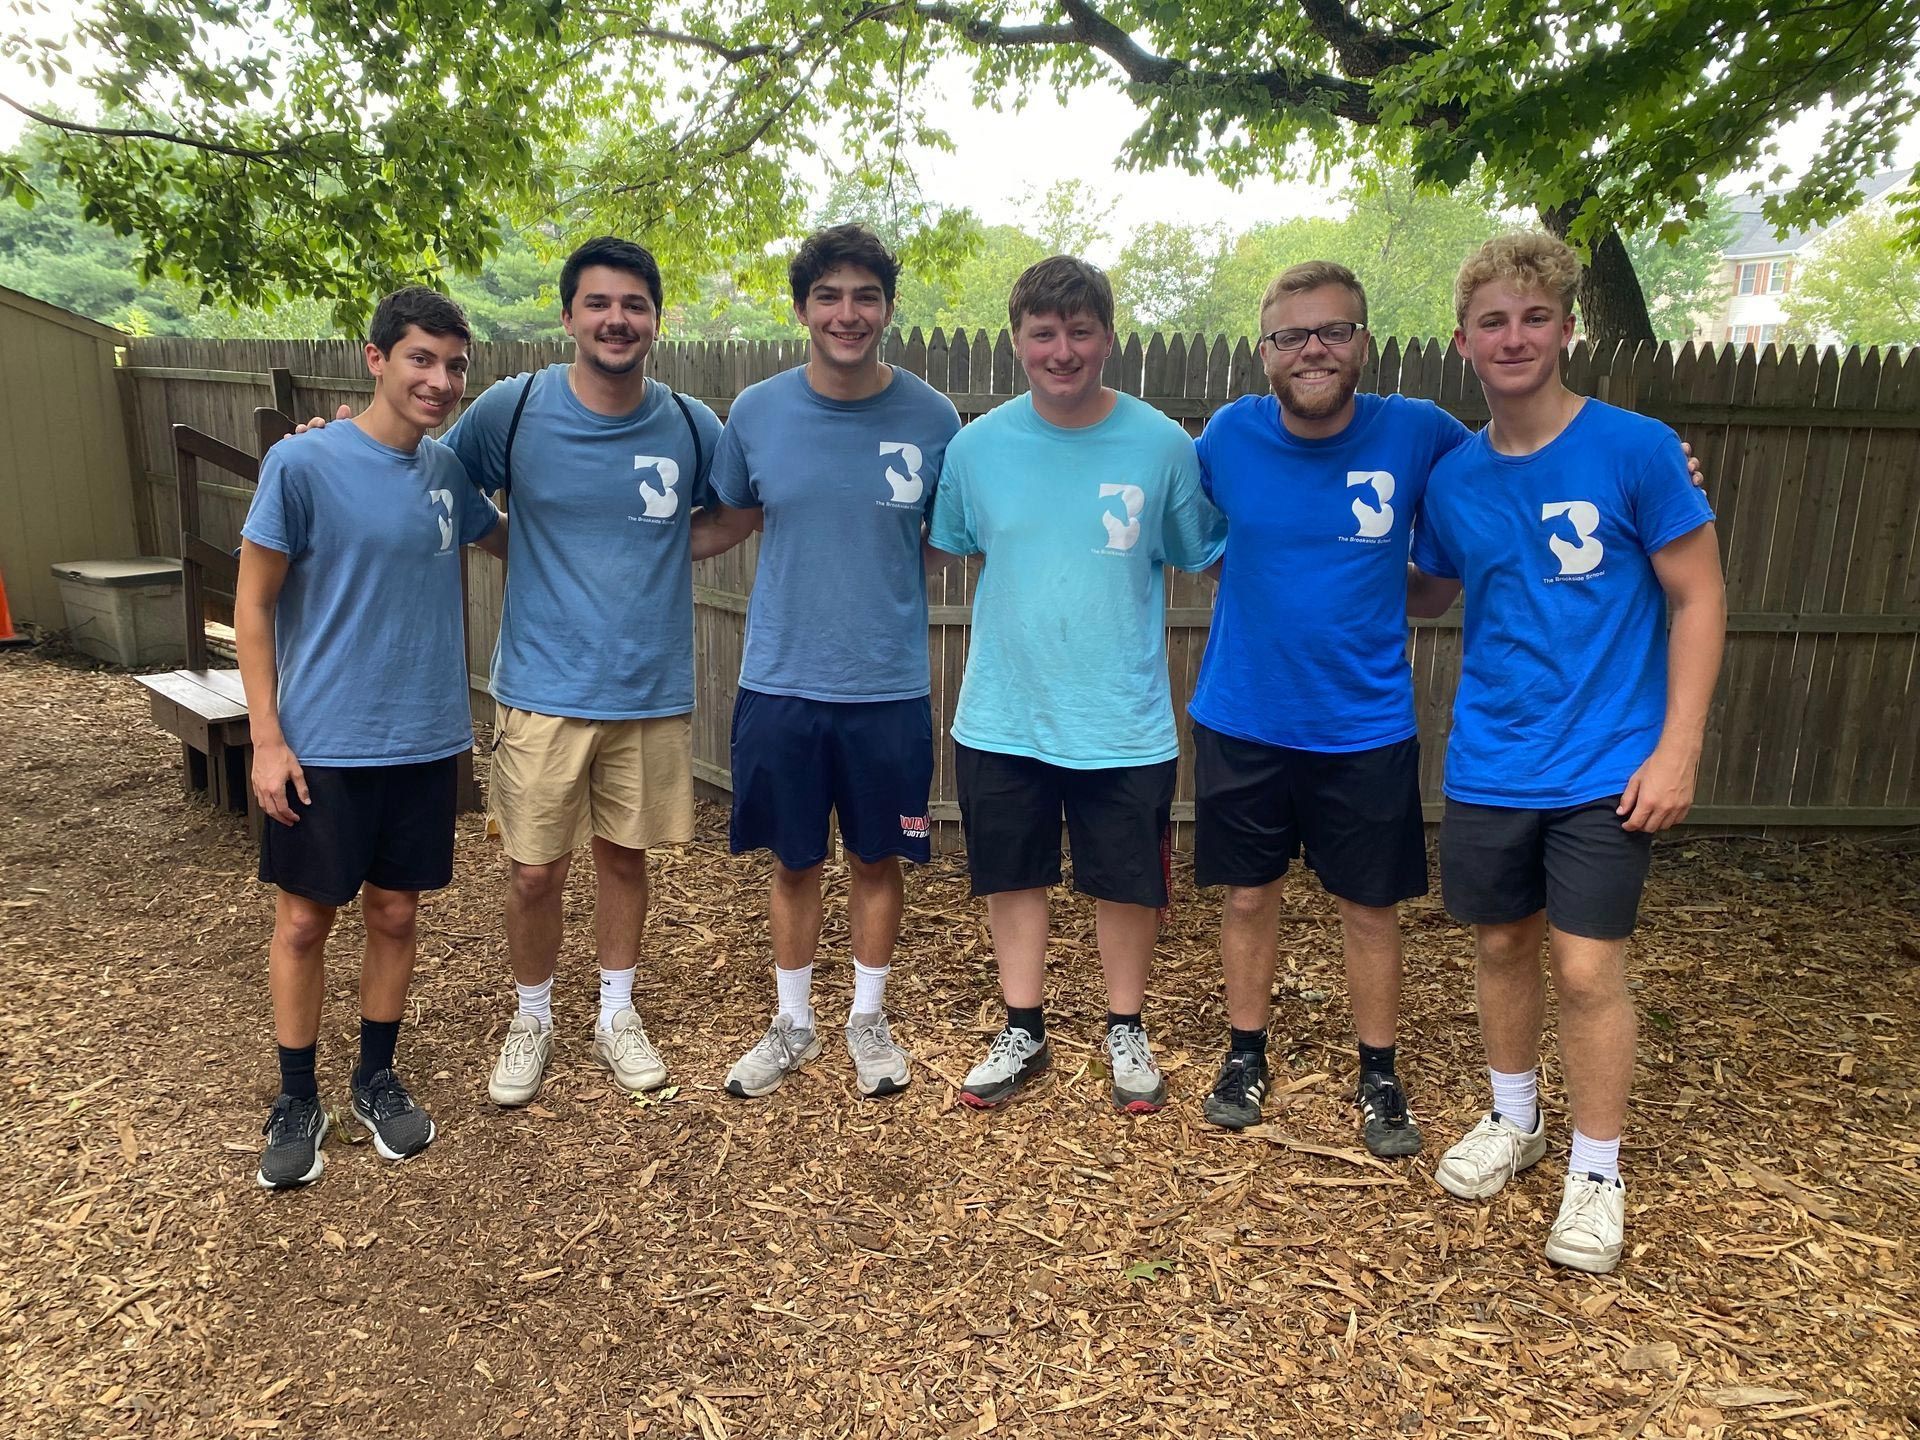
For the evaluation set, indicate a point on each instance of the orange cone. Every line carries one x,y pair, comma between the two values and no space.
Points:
8,636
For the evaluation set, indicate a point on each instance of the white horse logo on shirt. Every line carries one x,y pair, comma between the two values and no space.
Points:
1584,516
1373,522
443,499
663,503
908,488
1123,534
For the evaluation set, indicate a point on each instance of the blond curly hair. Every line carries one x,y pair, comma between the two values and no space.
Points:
1524,259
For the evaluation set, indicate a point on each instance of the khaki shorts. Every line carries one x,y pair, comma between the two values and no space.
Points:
558,780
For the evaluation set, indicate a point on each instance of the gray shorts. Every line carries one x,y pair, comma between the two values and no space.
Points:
1499,865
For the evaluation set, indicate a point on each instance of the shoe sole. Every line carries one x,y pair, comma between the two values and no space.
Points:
514,1099
319,1163
1583,1260
1487,1192
1236,1121
1398,1145
742,1092
887,1086
993,1100
1142,1104
607,1065
386,1152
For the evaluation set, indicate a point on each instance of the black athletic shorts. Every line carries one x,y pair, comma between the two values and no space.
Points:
1499,865
798,761
1118,823
384,825
1355,814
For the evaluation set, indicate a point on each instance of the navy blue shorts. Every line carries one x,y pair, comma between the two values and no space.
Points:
384,825
796,761
1578,863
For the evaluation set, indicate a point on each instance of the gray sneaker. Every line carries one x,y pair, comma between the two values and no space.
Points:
1138,1086
523,1061
623,1047
1013,1059
774,1056
880,1067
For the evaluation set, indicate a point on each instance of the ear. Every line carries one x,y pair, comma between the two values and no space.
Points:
1460,341
375,360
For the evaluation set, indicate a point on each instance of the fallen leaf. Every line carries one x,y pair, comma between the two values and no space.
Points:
1148,1269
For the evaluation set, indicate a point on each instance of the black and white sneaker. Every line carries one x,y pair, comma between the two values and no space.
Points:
400,1127
1386,1125
295,1131
1238,1092
1013,1059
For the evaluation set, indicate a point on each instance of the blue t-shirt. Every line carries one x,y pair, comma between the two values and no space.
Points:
1067,656
1563,683
839,608
368,634
1308,646
597,621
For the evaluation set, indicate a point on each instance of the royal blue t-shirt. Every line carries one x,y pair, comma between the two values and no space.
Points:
597,621
1308,646
368,634
839,607
1563,684
1067,655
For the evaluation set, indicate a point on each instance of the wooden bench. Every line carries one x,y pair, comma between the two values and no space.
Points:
204,705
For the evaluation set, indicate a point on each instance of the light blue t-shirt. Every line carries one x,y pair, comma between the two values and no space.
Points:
1563,683
839,607
598,616
1308,647
1067,657
368,634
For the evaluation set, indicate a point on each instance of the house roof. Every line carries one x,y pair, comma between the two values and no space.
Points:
41,310
1754,236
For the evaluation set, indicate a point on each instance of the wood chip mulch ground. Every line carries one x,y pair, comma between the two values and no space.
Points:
689,1265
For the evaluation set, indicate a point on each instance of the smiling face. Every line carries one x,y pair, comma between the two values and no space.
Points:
1513,336
422,378
613,320
846,312
1315,383
1063,356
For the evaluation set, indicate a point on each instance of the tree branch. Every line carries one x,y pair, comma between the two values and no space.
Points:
114,132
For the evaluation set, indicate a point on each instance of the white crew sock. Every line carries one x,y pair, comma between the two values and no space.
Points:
796,994
1594,1157
537,1000
616,994
1517,1097
869,989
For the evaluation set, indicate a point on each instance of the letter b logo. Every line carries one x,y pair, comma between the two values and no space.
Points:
1584,516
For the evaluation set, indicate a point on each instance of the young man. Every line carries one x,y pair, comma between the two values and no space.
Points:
603,470
1578,723
841,456
347,617
1304,734
1078,496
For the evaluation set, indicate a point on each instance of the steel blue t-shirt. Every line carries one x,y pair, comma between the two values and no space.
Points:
1563,683
839,607
368,633
1308,646
1067,654
597,621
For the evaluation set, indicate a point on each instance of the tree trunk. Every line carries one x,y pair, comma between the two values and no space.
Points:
1611,301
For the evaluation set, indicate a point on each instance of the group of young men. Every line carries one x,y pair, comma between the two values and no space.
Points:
1572,526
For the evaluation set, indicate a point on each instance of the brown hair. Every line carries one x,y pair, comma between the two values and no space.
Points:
1524,259
1313,275
1064,286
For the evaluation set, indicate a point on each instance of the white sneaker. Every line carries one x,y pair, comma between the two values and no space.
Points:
1487,1156
1588,1233
774,1056
522,1062
1138,1086
623,1047
880,1066
1013,1059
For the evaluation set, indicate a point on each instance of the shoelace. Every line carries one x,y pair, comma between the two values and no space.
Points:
521,1049
1386,1102
777,1044
1236,1078
1589,1207
873,1041
386,1096
1129,1047
630,1039
1011,1048
289,1117
1487,1136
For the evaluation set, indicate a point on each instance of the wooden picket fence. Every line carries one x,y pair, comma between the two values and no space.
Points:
1812,462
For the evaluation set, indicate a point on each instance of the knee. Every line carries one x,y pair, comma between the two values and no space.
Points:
883,873
537,884
1508,947
1250,904
795,882
1589,983
620,864
304,927
390,914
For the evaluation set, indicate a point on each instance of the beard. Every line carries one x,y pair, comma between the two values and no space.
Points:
1319,402
607,366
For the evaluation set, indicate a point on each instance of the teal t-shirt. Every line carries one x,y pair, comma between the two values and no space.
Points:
1067,659
368,634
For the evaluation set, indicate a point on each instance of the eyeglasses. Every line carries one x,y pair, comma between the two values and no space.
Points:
1339,332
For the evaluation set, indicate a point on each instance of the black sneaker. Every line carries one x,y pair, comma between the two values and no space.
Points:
400,1127
1238,1092
1386,1125
295,1131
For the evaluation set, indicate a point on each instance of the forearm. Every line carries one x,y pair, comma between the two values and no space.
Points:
1429,596
259,668
1694,646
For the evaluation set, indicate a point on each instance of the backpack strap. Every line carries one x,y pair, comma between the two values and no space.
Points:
699,450
513,428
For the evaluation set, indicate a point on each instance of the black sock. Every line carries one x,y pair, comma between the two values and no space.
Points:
1029,1018
377,1039
1117,1021
1377,1059
1247,1042
296,1071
